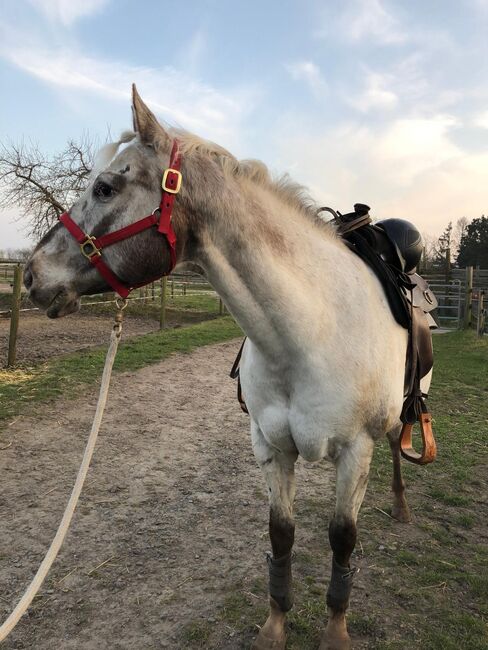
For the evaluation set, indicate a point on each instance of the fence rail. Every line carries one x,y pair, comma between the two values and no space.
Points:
462,301
158,296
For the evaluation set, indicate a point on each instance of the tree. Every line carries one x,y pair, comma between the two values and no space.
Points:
42,186
428,254
473,248
442,251
21,254
458,233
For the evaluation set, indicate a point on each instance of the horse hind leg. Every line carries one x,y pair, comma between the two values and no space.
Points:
279,472
352,467
400,509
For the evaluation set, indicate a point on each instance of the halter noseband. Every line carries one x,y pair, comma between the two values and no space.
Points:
91,247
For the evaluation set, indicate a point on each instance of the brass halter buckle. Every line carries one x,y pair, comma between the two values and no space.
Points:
164,184
89,249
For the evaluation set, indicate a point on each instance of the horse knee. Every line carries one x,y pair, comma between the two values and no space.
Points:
281,533
342,537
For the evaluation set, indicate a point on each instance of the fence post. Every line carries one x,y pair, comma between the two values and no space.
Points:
480,325
468,299
162,306
221,307
14,316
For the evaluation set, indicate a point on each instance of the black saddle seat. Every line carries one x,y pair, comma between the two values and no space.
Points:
397,241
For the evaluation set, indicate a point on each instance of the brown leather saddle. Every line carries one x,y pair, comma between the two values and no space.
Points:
393,251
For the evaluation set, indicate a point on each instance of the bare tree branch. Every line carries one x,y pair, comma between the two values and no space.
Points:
44,187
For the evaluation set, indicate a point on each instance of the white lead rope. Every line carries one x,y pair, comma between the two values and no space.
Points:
57,542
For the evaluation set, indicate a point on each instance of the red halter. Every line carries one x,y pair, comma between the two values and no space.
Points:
91,247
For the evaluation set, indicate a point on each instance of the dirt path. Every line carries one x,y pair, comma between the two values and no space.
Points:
40,339
174,513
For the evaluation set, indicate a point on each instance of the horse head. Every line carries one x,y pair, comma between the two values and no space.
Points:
128,188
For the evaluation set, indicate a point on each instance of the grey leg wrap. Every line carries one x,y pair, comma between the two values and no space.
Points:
280,585
340,586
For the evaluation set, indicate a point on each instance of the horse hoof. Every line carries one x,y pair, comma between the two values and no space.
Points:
342,643
265,642
401,514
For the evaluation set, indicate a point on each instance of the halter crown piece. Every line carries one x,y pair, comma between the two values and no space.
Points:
91,247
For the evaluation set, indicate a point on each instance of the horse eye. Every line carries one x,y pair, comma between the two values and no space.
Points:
103,190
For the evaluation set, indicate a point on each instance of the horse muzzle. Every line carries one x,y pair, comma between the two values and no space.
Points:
56,301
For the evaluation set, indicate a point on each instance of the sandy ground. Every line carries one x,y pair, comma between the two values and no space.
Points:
40,339
174,513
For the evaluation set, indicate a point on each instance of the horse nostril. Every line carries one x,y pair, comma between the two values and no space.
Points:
28,278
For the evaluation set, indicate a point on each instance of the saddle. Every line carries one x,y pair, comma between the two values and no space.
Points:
392,248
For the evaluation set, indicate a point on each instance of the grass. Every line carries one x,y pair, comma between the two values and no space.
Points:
179,308
437,562
23,389
196,634
197,305
428,585
424,585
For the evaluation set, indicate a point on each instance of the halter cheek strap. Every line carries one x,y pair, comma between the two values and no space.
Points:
91,247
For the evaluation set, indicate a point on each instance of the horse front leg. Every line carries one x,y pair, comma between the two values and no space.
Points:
279,471
400,509
352,467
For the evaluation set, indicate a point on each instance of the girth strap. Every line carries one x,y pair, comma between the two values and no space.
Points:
234,374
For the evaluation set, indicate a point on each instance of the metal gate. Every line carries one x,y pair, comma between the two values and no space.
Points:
451,302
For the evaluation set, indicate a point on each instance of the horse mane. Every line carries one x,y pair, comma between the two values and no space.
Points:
283,186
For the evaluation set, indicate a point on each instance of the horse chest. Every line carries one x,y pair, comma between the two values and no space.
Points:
296,412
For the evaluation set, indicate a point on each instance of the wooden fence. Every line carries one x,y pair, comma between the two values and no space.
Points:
157,293
464,305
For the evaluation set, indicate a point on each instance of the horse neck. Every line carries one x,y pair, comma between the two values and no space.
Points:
268,261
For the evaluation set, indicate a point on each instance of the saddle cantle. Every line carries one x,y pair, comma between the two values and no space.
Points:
392,248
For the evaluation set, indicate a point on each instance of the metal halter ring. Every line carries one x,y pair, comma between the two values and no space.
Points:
89,249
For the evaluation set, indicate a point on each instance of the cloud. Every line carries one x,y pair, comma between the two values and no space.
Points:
368,19
407,168
376,95
411,146
193,52
310,73
481,120
171,93
68,11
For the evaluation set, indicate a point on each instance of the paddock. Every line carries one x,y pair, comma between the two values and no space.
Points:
167,546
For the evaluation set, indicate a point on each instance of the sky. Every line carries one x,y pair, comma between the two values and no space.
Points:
381,102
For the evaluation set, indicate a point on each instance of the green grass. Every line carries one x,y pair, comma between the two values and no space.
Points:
428,586
179,308
196,634
22,389
438,565
196,305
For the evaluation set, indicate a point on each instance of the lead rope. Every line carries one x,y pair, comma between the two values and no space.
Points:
57,542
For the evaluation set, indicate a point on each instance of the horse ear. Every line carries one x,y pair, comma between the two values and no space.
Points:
145,123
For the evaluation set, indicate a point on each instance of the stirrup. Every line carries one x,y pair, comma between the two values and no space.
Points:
429,447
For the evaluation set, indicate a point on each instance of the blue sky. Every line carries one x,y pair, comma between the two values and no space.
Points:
377,101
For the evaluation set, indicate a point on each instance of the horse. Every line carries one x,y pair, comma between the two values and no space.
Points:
322,368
